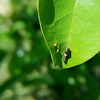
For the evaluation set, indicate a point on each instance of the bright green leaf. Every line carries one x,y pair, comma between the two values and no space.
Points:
71,23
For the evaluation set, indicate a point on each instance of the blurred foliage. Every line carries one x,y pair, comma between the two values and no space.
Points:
26,70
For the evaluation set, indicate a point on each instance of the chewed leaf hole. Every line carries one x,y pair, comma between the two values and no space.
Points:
56,47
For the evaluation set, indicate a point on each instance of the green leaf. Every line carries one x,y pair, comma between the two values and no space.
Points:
71,23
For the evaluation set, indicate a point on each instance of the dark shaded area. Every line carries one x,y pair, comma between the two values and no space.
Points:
2,54
26,70
46,11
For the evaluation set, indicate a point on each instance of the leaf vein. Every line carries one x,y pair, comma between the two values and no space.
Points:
89,12
72,18
61,18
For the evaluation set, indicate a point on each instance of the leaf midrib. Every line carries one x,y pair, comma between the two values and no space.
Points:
72,21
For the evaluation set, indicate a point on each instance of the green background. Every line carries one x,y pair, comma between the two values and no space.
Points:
26,69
